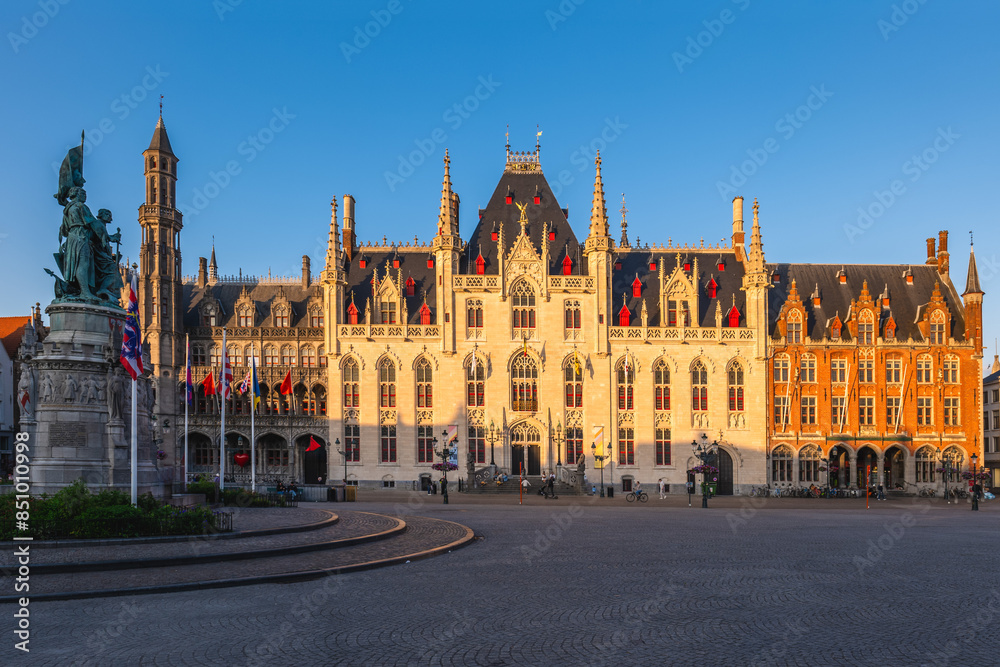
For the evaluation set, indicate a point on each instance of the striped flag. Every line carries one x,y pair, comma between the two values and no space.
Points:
131,356
189,385
254,384
225,385
247,382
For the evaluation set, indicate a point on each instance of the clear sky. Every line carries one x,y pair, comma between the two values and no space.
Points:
818,109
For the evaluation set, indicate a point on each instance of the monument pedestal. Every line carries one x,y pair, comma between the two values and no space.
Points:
83,405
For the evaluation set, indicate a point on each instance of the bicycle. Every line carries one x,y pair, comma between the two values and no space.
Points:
642,497
927,493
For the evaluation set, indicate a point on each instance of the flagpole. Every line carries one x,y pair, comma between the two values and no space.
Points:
135,451
253,409
222,440
187,401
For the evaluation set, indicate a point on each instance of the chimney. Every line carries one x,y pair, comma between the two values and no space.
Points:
738,227
349,227
931,255
202,272
942,255
305,271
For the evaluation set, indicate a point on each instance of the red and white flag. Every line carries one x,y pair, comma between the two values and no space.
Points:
225,383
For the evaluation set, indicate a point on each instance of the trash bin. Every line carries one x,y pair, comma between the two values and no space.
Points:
350,494
611,491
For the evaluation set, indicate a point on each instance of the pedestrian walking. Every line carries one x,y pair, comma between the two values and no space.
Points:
881,492
662,487
552,485
977,490
690,490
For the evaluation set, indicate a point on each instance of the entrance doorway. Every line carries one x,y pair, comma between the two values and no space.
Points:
840,467
525,447
867,465
893,467
314,462
725,485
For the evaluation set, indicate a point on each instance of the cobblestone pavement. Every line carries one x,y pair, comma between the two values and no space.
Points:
747,582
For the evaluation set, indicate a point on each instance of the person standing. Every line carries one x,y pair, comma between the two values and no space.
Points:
662,488
552,485
690,490
977,491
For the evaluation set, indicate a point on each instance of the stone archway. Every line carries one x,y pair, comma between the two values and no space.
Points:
868,467
839,467
525,448
314,462
725,485
893,467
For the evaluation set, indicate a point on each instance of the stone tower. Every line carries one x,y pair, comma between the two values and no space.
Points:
160,301
446,247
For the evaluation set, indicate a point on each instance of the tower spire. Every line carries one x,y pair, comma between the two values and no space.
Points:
598,211
448,215
624,243
213,268
972,279
333,242
756,254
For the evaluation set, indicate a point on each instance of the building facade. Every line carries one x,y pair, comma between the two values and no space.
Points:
991,422
537,348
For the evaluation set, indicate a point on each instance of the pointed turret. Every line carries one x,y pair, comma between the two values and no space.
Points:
213,267
333,241
448,214
972,279
756,255
160,141
598,211
624,241
972,299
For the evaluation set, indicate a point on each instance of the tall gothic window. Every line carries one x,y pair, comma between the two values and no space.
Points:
926,465
270,356
626,385
626,446
198,355
924,368
937,328
573,377
572,320
809,464
475,384
477,443
287,355
425,444
523,384
387,312
352,394
781,464
308,356
352,442
425,388
794,327
807,368
387,386
736,388
574,445
662,446
781,364
321,353
387,442
661,386
523,306
699,387
950,368
235,356
893,370
215,355
866,328
473,318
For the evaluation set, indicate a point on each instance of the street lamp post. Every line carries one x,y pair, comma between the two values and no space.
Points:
599,457
492,436
445,454
342,452
704,452
558,438
975,471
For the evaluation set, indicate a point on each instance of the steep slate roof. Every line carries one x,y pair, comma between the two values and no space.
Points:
523,186
412,263
160,142
636,261
262,293
906,302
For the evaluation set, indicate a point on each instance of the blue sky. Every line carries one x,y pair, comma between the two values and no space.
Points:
815,108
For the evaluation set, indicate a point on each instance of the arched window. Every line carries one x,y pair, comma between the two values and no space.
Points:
523,384
281,316
215,355
473,317
245,317
287,355
270,355
387,384
308,356
352,393
781,464
794,325
475,384
950,368
387,311
937,328
523,307
626,384
319,399
736,388
573,380
321,353
953,462
316,318
425,387
781,363
925,367
198,355
807,368
866,328
661,386
893,370
926,464
809,464
235,356
250,353
699,387
572,320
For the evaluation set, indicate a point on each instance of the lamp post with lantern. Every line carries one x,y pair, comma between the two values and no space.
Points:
707,454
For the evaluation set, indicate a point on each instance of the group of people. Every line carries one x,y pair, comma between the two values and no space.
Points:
548,489
292,490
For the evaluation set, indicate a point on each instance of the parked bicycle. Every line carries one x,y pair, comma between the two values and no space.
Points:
641,497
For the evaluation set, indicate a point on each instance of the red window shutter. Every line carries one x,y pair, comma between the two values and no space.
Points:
722,266
480,265
712,288
652,266
494,236
637,287
687,266
411,286
538,200
508,199
624,316
430,264
734,317
425,315
362,263
567,265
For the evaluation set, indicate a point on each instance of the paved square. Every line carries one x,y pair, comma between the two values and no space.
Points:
584,581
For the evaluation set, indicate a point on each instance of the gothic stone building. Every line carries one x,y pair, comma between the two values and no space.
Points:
530,343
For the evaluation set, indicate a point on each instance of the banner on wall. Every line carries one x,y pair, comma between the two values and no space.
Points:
453,443
599,447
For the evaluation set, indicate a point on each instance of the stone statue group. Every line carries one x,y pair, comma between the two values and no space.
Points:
88,263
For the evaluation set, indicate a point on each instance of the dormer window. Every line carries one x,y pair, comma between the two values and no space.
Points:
636,287
245,319
552,236
890,332
835,331
411,286
430,263
721,265
425,315
652,266
538,200
687,266
508,199
776,278
567,265
480,265
362,263
352,314
712,288
734,317
395,263
618,266
624,316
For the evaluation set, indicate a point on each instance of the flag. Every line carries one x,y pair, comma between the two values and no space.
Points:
474,360
246,384
313,445
254,384
576,364
189,386
25,399
525,340
286,384
209,384
131,356
226,382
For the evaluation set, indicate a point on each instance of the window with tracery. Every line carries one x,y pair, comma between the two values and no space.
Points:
735,388
661,386
781,464
866,328
475,385
573,381
522,298
524,384
937,328
387,384
425,387
699,387
352,392
626,386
